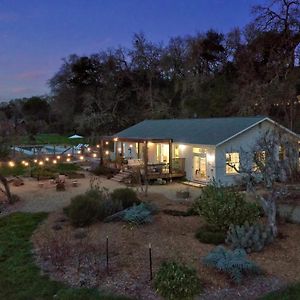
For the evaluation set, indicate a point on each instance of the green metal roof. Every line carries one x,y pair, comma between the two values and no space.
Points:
211,131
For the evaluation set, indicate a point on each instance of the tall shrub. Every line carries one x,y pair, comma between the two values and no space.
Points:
222,206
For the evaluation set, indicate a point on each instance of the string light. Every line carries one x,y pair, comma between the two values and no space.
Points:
69,154
106,152
55,161
26,164
35,161
98,146
58,157
106,143
94,155
81,157
41,163
47,159
89,149
78,152
11,164
68,159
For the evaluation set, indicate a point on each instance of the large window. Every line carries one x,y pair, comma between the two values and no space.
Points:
232,162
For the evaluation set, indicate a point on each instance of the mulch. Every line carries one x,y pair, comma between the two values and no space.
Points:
171,238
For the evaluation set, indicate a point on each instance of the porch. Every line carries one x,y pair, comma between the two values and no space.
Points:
152,158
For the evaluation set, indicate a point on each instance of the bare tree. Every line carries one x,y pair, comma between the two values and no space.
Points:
271,161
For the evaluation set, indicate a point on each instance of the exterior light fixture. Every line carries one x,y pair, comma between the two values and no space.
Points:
106,143
58,157
78,152
94,155
11,164
41,163
55,161
181,147
26,164
69,154
68,159
35,160
119,149
130,146
47,159
115,139
81,158
106,152
98,146
89,149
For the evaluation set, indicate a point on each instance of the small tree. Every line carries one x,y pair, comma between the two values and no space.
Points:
272,160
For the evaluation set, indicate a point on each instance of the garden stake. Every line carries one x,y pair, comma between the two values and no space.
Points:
107,254
150,260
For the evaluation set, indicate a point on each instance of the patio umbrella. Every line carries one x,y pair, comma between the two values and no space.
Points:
75,136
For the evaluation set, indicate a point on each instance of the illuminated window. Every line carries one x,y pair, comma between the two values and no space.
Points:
232,162
281,153
259,160
176,151
199,150
162,153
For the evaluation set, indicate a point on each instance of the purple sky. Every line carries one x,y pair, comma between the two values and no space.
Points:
36,34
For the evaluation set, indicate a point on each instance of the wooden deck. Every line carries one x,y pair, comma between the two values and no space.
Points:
153,176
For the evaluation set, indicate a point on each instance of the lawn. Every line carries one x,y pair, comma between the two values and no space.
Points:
20,278
19,169
50,138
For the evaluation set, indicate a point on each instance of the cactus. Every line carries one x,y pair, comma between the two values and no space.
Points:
251,238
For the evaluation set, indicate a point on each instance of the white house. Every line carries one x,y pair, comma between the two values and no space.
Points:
199,149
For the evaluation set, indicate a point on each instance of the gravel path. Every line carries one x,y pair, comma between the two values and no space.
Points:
46,199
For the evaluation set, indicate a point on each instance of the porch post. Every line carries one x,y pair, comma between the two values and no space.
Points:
170,160
101,152
146,166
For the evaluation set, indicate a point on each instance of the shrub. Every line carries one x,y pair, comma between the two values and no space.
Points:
93,205
249,237
175,281
126,196
210,235
83,210
222,206
102,170
234,263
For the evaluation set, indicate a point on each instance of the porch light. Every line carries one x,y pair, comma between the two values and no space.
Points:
130,146
115,139
55,161
11,164
210,158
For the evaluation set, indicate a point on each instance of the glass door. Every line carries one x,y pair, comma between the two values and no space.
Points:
200,167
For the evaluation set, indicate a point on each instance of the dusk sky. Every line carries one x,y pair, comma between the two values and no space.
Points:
37,34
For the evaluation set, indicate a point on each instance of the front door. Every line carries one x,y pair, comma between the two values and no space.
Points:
200,167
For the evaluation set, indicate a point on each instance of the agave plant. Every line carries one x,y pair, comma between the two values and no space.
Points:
235,263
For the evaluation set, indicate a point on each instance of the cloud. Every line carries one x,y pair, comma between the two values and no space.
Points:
29,75
21,90
8,17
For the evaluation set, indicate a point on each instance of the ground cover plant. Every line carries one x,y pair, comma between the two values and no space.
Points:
292,292
175,281
20,278
209,234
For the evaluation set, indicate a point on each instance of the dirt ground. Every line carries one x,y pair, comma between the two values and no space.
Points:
171,238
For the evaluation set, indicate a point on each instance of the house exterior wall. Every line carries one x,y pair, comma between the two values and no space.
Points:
245,142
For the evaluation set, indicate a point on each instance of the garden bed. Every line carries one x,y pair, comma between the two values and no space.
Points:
172,238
